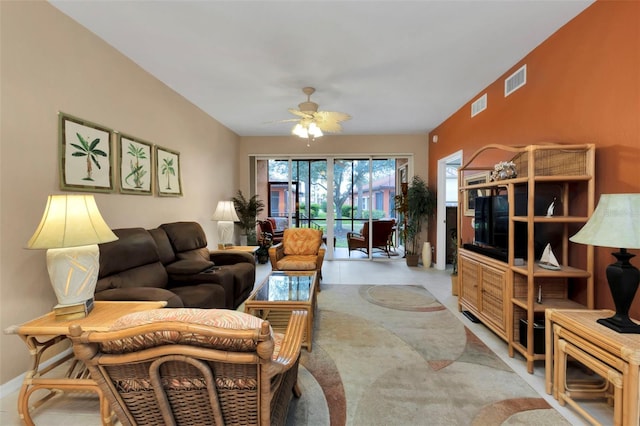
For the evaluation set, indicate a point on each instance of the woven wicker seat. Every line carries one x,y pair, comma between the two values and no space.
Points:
186,371
301,249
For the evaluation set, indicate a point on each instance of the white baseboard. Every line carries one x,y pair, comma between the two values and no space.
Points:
14,384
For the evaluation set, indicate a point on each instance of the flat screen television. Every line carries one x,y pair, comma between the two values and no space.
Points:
491,221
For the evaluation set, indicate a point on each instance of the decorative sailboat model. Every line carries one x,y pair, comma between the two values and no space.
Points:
548,259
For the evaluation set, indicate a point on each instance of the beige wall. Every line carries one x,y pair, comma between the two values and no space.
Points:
50,63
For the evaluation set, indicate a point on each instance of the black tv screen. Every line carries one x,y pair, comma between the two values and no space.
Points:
492,221
483,223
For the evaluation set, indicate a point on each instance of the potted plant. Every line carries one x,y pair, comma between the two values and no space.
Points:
248,210
266,240
420,206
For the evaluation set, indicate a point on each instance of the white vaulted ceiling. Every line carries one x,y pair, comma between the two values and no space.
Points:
397,67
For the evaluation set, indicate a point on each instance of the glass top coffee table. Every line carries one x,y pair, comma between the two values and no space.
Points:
281,293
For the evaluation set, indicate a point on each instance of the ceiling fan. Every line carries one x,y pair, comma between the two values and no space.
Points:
311,122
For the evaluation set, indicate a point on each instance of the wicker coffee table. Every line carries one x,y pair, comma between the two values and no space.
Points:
281,293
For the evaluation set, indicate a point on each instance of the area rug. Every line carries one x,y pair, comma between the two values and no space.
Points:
393,355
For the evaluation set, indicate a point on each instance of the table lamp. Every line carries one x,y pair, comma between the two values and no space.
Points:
616,223
225,214
71,229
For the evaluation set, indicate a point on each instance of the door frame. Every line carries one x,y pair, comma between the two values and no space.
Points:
441,210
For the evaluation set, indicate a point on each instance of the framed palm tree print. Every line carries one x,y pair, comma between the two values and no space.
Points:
168,172
136,165
85,154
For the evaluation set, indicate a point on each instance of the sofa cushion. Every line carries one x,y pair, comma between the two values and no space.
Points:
302,241
221,318
151,275
297,263
141,294
134,247
165,250
205,296
188,240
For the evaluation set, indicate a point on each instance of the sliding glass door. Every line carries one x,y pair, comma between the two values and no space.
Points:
336,195
364,191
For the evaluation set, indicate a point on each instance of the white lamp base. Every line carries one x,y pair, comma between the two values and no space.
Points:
225,233
73,272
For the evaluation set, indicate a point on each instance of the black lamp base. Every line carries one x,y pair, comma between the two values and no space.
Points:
623,280
621,325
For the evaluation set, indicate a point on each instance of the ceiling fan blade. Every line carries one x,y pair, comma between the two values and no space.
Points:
329,126
331,116
308,114
300,113
290,120
328,121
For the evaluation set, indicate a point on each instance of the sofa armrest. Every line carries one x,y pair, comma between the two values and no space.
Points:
292,342
141,294
231,257
188,267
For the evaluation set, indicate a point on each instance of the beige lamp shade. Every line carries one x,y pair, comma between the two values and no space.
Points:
71,229
614,223
70,221
225,210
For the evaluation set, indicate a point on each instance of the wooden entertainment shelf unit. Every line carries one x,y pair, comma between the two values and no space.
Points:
508,293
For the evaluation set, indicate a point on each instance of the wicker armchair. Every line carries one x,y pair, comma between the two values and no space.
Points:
194,366
301,249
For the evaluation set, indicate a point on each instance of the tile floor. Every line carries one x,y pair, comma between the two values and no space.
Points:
82,409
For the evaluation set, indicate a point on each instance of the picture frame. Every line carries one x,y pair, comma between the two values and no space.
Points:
85,154
136,165
168,180
471,194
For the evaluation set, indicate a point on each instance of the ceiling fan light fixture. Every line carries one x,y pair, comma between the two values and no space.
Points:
311,123
300,131
314,130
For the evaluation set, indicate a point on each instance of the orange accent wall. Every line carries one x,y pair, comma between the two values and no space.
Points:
583,86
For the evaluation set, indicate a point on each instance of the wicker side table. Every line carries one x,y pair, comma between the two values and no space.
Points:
615,353
44,333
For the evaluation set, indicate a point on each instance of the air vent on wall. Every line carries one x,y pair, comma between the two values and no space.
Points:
479,105
515,81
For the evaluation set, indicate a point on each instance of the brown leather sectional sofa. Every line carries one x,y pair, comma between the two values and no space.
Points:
172,263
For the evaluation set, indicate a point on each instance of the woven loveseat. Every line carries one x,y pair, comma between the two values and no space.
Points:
194,367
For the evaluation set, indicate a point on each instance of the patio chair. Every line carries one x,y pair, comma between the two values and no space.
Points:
269,227
194,366
381,237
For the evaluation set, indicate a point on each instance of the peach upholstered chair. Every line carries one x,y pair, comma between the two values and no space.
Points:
300,250
189,366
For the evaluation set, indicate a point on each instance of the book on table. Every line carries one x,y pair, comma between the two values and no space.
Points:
77,310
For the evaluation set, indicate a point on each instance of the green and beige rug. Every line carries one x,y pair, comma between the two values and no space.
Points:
393,355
